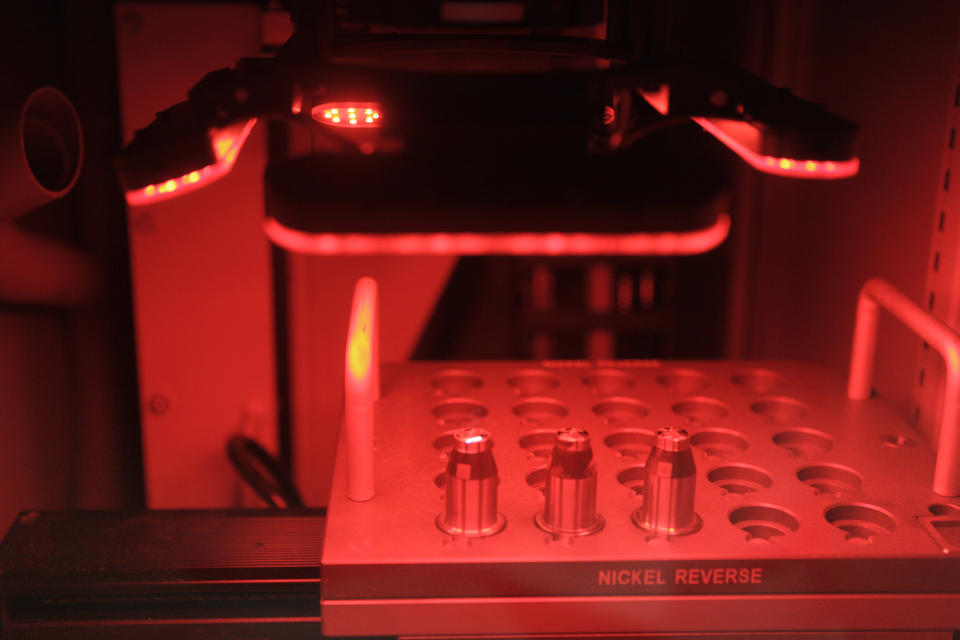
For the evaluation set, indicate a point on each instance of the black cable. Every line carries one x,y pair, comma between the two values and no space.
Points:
262,473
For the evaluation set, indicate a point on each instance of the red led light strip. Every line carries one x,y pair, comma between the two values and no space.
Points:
664,243
226,142
355,115
788,167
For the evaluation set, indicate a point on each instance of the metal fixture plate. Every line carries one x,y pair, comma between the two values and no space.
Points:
801,491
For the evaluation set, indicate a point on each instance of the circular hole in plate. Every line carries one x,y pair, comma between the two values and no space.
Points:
831,480
804,443
540,410
943,509
719,443
538,479
539,443
701,409
861,522
631,443
620,411
780,409
740,478
458,412
632,479
455,382
763,521
684,381
440,480
609,382
759,380
899,440
533,382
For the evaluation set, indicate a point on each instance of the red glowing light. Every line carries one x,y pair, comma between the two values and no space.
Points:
358,356
659,99
361,336
739,137
665,243
359,341
222,145
357,114
226,144
609,115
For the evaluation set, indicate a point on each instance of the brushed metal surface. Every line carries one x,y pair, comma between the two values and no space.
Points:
669,486
801,490
570,488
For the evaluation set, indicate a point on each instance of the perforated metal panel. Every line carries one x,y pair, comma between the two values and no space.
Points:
942,292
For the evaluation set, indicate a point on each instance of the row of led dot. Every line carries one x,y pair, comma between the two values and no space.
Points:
171,185
333,115
809,165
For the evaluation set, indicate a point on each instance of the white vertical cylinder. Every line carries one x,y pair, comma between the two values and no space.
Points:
361,389
862,354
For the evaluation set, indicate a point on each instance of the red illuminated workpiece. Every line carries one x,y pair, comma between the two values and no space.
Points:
348,114
879,293
743,138
362,389
661,243
226,144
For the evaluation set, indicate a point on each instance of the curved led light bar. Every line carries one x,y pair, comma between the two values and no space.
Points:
226,143
787,167
660,243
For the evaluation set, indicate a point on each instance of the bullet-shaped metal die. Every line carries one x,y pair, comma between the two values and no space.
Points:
670,481
571,487
470,498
